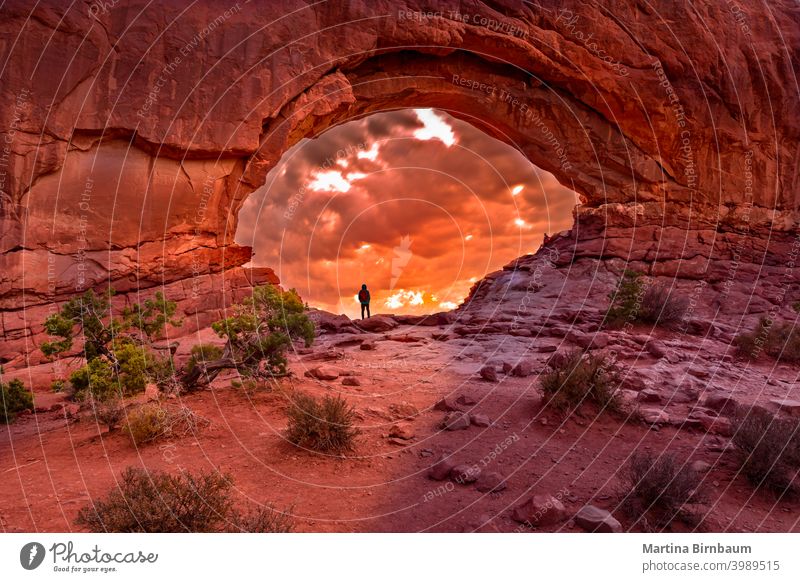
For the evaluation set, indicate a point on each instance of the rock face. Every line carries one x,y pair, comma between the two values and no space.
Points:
128,153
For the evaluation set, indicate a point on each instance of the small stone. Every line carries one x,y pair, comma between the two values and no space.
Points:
480,420
654,416
464,474
448,403
323,373
720,425
403,410
522,369
492,482
441,470
368,346
700,467
488,373
351,381
594,519
465,400
540,510
507,367
402,431
456,421
547,349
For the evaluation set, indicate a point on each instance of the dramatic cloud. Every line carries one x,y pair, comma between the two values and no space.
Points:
414,203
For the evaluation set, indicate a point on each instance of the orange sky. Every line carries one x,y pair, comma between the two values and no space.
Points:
414,203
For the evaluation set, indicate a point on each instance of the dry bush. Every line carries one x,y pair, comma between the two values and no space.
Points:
156,502
777,339
658,489
324,424
261,520
153,421
662,306
769,450
577,378
109,412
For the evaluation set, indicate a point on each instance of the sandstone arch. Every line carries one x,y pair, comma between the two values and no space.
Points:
145,185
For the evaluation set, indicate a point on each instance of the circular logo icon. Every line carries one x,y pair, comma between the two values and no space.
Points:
31,555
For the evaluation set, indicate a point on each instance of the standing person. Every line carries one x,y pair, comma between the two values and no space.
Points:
363,299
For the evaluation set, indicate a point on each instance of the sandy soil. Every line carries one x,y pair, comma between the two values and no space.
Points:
53,463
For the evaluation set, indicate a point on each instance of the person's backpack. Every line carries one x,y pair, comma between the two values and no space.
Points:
363,296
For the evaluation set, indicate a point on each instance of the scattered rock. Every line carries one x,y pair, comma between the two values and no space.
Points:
547,349
465,400
456,421
522,369
322,373
448,403
464,474
402,431
700,466
351,381
540,510
403,410
721,402
720,425
480,420
325,356
654,416
491,481
594,519
507,367
488,373
441,469
368,346
698,372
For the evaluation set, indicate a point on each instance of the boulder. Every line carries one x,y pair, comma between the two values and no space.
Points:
488,373
441,469
480,420
594,519
323,373
523,369
490,482
540,510
456,421
464,474
351,381
377,324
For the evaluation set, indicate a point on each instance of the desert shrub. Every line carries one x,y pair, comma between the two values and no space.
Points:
768,448
156,502
324,424
14,398
577,378
779,340
257,337
657,490
109,413
58,385
203,354
633,300
260,520
153,421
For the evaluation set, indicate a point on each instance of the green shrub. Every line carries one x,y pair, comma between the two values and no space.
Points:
156,502
633,300
779,340
58,385
14,398
768,448
321,424
203,354
577,378
100,378
658,490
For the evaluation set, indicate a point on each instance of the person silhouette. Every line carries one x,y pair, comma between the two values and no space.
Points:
363,299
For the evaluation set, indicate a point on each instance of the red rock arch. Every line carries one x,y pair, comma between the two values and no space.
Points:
134,134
